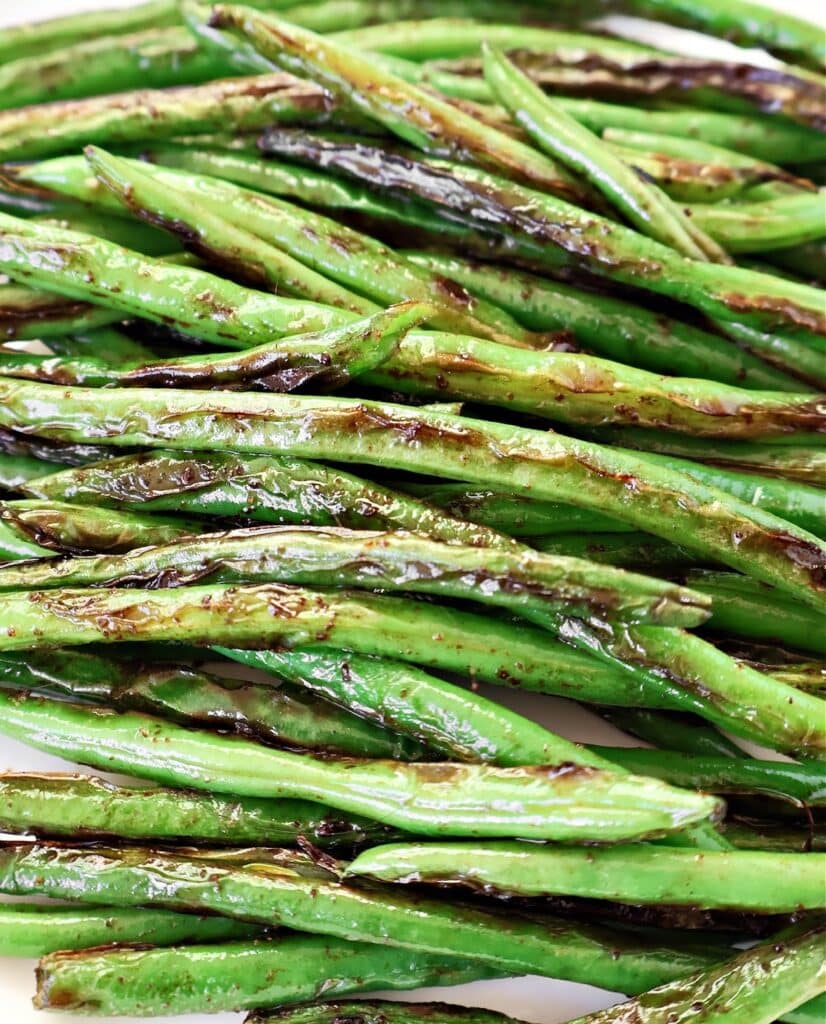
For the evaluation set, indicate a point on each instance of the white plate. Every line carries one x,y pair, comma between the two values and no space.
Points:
532,999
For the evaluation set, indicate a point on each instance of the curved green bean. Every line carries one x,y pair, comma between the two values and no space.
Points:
471,800
236,103
558,234
764,226
667,503
555,132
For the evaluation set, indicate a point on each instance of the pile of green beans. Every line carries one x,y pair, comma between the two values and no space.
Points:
376,378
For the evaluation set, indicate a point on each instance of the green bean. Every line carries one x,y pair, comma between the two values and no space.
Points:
389,561
638,551
375,1011
806,465
275,715
194,301
759,613
774,839
762,137
599,72
42,36
427,799
611,327
762,227
54,455
782,979
627,874
563,235
413,114
669,504
36,929
27,314
151,59
561,136
238,103
809,261
753,171
795,502
236,976
447,37
44,529
458,723
685,733
322,245
580,389
17,470
277,489
742,22
328,358
288,887
786,352
803,785
512,513
74,807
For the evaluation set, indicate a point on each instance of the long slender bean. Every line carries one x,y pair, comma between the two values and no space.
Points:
742,22
638,551
666,503
242,103
806,465
783,979
274,489
611,327
415,115
287,887
279,715
774,140
72,807
44,529
563,235
389,561
425,799
762,227
759,613
151,59
216,309
447,38
237,976
328,358
561,136
37,929
803,785
633,874
458,723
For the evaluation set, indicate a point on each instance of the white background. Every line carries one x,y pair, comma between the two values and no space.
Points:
533,999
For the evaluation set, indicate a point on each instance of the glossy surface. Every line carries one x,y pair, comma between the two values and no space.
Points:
425,798
82,807
629,874
389,561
